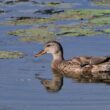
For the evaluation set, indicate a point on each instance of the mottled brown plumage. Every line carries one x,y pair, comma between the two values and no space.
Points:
91,68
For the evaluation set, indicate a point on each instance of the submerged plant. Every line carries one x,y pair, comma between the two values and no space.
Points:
9,54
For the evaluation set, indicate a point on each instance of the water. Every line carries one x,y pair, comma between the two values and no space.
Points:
20,90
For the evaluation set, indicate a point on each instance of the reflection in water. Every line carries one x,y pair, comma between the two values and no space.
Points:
56,83
99,77
53,85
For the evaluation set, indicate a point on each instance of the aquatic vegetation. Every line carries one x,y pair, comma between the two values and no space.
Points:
9,54
101,20
2,11
106,31
101,2
53,3
43,34
81,14
58,15
49,11
74,31
12,2
25,21
60,5
40,34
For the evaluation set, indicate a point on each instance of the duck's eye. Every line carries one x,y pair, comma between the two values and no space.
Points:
48,45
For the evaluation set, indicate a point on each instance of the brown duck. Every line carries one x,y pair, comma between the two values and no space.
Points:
82,67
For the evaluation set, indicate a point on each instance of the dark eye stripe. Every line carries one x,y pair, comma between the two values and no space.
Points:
48,45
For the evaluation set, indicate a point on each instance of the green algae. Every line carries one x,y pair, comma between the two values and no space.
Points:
53,3
79,14
72,31
43,34
40,34
26,21
60,15
101,20
9,54
60,5
107,31
101,2
13,2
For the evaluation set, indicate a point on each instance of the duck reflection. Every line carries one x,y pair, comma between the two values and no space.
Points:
53,85
56,83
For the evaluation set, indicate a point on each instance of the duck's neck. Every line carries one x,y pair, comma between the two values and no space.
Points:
57,59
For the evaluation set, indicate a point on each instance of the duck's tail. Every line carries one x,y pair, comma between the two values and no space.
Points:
108,58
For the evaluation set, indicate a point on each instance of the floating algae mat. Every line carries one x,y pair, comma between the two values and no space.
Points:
107,31
9,54
101,20
43,34
40,34
26,21
66,15
101,2
71,31
79,14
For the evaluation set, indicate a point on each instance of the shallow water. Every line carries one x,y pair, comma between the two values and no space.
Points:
20,90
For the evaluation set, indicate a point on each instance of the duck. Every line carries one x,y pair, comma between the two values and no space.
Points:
89,68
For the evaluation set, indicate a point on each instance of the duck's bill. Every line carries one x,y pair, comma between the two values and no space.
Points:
40,53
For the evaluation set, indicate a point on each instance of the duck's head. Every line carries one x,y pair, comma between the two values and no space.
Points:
52,47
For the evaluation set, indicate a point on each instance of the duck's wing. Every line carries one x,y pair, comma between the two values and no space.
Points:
93,60
88,60
99,60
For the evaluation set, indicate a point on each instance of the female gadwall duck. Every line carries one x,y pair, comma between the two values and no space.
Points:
90,68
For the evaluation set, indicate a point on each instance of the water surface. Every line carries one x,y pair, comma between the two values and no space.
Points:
20,90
